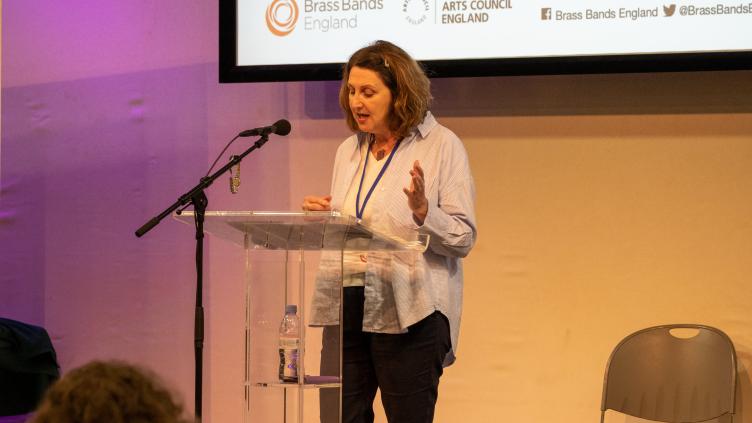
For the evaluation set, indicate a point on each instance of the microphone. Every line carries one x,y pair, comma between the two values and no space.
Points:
280,127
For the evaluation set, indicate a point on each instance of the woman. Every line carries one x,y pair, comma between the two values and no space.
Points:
400,172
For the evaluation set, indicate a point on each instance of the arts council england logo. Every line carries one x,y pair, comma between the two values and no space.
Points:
281,17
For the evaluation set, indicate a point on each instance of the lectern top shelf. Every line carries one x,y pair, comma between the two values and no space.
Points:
302,231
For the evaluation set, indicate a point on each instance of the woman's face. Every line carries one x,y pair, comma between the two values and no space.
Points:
370,101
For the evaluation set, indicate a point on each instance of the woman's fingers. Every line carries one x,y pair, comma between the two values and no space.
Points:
417,182
416,197
417,168
315,203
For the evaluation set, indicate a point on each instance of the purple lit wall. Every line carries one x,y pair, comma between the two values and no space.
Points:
607,203
112,110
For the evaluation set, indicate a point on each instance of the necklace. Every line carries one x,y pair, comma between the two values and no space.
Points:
381,152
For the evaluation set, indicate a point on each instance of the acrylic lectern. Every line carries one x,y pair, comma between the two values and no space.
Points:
296,258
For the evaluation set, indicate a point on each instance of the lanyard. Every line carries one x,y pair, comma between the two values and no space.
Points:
359,211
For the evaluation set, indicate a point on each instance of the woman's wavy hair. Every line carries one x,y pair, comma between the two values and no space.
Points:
405,78
109,391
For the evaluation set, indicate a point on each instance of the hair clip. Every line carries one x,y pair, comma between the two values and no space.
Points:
386,64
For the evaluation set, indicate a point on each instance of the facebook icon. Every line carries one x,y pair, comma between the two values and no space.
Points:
546,13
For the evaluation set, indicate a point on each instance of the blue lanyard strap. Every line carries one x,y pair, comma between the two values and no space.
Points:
358,209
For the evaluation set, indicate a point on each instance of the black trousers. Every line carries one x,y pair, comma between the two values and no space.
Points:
405,367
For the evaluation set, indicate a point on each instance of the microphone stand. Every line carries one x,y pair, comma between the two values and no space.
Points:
197,197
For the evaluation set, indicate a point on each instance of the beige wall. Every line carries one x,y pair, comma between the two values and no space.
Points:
593,227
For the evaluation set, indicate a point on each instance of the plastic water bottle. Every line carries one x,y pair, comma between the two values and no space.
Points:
289,344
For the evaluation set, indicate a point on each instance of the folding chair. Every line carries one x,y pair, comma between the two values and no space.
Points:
659,375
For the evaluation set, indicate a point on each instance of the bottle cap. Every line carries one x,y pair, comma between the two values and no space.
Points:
291,308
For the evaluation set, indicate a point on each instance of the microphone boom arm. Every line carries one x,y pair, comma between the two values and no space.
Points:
205,182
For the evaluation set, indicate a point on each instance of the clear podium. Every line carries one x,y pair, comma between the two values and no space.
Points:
298,258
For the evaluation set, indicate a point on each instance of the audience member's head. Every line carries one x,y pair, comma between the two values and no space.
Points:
111,391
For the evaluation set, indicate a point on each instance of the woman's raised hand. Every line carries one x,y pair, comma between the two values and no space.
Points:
416,195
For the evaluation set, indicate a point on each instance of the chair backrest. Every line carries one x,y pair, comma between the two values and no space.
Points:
654,374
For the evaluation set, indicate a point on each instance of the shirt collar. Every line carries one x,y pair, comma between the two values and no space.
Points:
429,122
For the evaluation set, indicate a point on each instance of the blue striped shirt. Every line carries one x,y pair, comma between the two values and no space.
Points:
403,288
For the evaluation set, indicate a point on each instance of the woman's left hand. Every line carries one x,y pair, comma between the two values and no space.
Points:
416,196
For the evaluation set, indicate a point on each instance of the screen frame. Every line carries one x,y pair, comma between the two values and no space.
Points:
230,72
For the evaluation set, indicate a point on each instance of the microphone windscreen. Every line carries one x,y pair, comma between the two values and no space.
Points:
282,127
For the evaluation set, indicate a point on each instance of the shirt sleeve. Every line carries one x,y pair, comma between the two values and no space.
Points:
450,220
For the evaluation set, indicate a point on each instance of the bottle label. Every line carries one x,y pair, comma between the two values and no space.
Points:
288,343
288,363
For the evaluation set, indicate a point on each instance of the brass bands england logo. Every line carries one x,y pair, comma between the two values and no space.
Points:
281,17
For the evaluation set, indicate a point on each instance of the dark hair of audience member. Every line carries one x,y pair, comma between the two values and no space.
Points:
112,392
